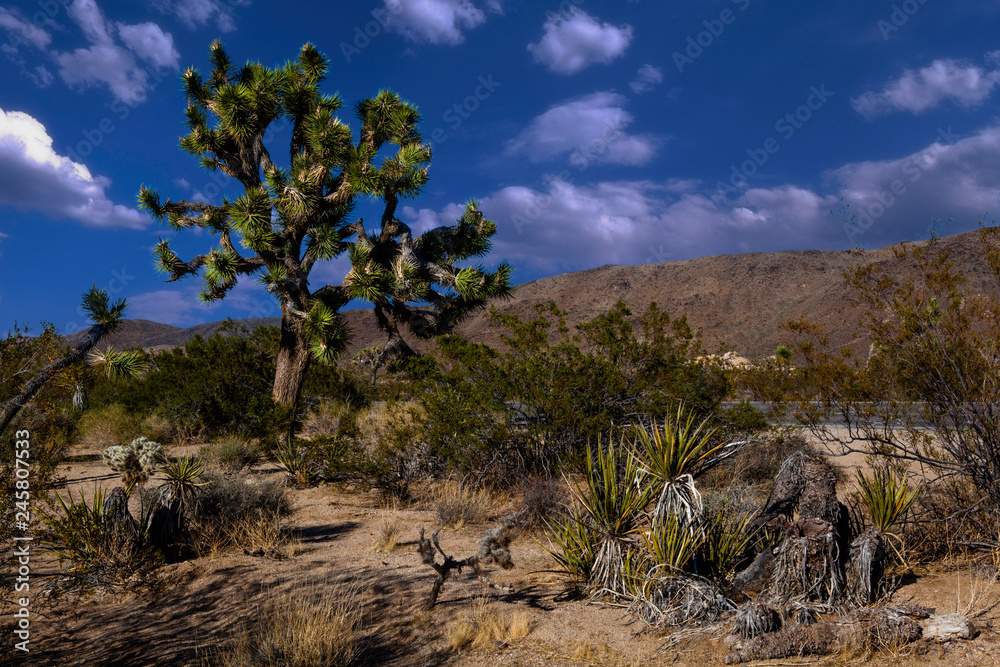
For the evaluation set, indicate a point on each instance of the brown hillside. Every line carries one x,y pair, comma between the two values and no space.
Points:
739,301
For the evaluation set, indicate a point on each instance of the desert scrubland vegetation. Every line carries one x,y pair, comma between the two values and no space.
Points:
620,494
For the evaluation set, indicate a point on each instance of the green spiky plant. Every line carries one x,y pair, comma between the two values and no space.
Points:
296,213
672,457
571,543
611,503
886,497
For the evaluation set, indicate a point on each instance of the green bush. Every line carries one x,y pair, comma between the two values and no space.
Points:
499,417
208,388
233,453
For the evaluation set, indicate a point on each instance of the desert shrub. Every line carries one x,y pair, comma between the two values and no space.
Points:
209,387
96,546
327,418
233,452
385,450
135,462
108,425
498,417
229,500
756,464
541,499
320,626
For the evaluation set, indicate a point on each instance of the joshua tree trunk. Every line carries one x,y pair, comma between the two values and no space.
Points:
291,366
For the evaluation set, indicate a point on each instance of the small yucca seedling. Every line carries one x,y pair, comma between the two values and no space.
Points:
887,497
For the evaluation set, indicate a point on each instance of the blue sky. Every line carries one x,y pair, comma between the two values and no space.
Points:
592,132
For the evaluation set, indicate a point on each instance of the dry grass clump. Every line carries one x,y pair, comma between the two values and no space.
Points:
235,511
321,626
325,419
488,626
457,505
389,530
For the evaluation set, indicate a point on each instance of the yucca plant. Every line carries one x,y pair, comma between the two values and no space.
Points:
726,539
571,544
299,463
611,504
673,542
672,456
90,542
886,497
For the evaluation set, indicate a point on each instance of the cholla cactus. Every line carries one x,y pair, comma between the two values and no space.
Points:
135,462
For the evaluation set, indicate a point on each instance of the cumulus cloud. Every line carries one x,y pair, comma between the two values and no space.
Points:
917,91
108,64
590,129
647,78
574,40
952,177
34,177
563,226
149,42
437,21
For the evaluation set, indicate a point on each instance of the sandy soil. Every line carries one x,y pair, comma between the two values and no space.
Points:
204,600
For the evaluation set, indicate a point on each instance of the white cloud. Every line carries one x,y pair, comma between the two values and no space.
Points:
564,226
106,63
34,177
590,129
40,76
181,307
574,40
919,90
198,13
437,21
149,42
647,78
23,31
950,178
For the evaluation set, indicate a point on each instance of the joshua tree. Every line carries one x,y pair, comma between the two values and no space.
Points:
291,217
